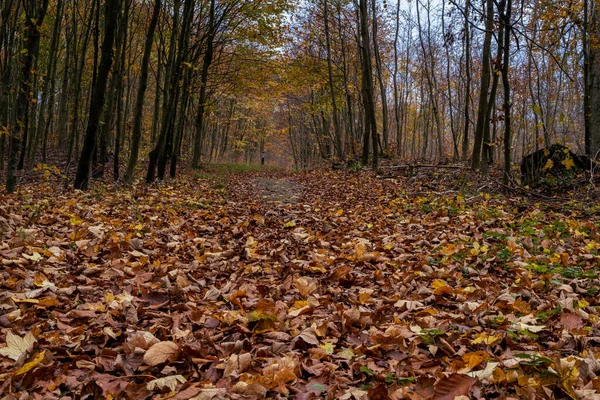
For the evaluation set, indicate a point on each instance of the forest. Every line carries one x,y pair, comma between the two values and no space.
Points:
338,199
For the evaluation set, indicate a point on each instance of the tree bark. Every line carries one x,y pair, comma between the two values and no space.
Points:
367,88
139,104
36,11
594,81
336,122
208,58
98,95
484,87
382,88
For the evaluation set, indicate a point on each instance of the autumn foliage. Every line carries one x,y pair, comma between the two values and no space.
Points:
314,285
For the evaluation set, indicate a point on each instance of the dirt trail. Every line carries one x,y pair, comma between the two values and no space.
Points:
279,190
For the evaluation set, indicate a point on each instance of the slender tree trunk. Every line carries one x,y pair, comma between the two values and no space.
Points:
47,95
382,86
121,111
78,73
396,94
586,79
336,122
36,12
465,141
485,85
169,93
208,58
98,94
506,84
139,104
448,85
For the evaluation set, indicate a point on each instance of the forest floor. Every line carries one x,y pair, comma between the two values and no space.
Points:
323,284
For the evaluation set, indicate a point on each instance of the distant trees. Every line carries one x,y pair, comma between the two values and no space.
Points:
99,81
459,89
194,81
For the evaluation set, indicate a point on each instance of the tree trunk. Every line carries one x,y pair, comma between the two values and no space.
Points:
367,88
139,104
485,85
208,58
36,13
382,88
465,141
98,94
506,84
594,80
336,122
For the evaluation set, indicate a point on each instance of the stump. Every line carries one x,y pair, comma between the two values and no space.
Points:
556,161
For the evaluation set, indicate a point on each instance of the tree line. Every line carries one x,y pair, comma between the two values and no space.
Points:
85,84
90,84
483,81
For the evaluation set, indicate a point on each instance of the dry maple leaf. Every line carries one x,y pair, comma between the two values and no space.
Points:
161,352
17,346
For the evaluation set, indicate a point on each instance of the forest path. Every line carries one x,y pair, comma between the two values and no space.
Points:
280,190
317,281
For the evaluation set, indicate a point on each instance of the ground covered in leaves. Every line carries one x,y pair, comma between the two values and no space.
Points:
218,286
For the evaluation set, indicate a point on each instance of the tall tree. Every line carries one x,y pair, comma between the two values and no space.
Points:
207,61
484,86
370,131
380,79
111,11
594,80
136,135
35,12
337,134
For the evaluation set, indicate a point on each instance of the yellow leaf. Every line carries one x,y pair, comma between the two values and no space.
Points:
339,212
549,165
328,347
346,353
486,338
450,249
582,303
360,249
166,382
438,283
568,163
298,308
30,301
39,357
474,359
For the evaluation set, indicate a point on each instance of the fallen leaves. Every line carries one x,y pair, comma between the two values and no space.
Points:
161,352
358,288
16,346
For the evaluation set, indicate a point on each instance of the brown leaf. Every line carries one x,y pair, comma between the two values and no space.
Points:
571,321
452,386
161,352
379,392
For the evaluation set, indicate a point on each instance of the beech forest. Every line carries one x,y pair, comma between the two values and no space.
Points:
309,199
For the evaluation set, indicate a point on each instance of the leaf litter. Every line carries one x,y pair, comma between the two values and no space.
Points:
358,288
